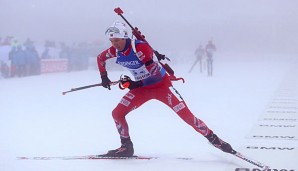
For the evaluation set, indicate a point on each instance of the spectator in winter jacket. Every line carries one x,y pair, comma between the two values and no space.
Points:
21,62
33,61
4,69
13,61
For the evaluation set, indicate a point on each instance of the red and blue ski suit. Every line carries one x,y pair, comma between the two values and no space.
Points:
137,57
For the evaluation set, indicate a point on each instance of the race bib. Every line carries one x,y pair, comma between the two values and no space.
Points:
140,73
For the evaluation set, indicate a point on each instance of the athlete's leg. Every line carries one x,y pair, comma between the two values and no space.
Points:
175,102
130,101
171,97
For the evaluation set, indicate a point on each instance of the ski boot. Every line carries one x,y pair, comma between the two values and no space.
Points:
126,149
220,144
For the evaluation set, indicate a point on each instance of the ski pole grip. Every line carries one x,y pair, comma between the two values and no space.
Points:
118,11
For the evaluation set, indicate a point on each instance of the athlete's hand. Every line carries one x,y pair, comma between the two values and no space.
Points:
126,82
105,81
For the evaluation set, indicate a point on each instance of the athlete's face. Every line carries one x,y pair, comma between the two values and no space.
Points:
118,43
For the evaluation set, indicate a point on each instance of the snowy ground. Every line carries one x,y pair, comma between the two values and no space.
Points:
36,120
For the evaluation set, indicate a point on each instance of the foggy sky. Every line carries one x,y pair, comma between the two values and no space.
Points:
248,26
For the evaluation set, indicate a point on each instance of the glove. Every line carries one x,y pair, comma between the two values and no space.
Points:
105,82
126,82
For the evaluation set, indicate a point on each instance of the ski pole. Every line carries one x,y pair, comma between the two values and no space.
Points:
88,86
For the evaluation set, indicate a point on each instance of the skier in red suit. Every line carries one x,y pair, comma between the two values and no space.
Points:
151,81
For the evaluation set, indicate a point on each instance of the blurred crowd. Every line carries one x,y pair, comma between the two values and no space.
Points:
24,59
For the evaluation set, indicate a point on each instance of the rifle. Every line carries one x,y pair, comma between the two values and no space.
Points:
139,36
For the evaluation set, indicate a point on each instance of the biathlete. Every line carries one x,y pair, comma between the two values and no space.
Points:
151,81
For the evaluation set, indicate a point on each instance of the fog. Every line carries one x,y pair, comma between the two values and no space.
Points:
242,94
254,26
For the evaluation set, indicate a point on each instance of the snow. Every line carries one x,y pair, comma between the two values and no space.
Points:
37,120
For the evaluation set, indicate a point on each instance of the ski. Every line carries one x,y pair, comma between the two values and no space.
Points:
101,157
85,157
96,157
256,163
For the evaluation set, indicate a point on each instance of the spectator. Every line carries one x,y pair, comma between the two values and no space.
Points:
21,61
33,61
64,53
28,43
83,56
45,54
13,61
4,69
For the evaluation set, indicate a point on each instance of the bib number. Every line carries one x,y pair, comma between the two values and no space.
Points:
140,73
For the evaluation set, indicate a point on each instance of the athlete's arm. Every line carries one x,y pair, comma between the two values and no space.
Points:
102,57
